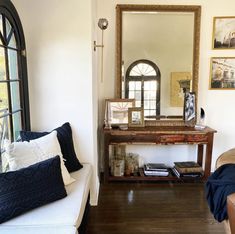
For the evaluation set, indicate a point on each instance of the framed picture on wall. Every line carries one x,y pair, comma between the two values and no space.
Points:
223,32
116,111
136,117
222,75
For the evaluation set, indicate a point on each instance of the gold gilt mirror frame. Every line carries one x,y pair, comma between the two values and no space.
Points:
184,9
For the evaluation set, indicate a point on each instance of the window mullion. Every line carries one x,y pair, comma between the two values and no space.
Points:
8,79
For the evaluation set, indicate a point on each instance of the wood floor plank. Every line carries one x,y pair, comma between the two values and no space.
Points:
152,208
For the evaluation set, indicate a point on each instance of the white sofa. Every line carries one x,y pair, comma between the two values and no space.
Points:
60,217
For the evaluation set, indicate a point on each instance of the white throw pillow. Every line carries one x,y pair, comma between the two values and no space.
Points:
24,154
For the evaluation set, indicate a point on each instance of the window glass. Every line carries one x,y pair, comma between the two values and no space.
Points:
1,29
12,42
8,28
2,64
15,95
17,125
3,97
13,64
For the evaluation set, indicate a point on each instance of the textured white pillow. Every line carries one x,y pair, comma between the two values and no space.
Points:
24,154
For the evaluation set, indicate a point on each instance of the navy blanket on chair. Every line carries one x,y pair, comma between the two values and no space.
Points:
219,185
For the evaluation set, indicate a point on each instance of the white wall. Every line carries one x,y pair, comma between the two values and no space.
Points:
62,85
218,105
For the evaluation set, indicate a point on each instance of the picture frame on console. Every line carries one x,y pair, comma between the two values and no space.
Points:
189,108
222,74
116,112
223,32
136,117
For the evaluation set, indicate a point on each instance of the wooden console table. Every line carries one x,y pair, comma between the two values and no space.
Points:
165,135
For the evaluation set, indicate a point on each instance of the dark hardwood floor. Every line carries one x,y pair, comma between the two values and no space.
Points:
140,208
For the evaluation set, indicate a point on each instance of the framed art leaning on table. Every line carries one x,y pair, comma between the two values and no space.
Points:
116,111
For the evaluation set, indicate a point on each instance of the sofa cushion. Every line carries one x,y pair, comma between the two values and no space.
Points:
30,187
39,230
64,134
23,154
65,212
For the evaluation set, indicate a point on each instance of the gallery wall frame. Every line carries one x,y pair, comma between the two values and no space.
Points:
223,36
222,73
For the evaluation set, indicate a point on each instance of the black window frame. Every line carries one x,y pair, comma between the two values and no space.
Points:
143,79
8,10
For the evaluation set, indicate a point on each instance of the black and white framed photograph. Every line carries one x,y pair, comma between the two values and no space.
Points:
189,106
222,75
223,32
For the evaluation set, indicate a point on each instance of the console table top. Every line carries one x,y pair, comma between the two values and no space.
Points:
159,130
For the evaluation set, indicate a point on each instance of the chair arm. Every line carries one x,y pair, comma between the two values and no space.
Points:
226,157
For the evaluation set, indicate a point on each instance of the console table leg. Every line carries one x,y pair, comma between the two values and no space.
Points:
209,146
200,154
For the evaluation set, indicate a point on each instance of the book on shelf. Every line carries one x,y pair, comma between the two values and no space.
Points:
186,175
155,167
156,173
188,167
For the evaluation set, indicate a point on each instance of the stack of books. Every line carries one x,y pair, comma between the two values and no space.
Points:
156,169
187,169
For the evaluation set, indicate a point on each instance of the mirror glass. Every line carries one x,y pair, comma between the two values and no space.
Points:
157,57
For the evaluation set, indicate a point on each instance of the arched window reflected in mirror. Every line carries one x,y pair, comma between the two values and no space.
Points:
143,84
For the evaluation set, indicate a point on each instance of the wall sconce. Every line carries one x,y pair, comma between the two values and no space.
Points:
103,24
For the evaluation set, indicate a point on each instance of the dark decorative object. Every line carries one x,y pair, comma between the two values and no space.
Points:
30,187
201,123
64,135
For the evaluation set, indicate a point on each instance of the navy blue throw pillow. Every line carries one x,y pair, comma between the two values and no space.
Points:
30,187
64,135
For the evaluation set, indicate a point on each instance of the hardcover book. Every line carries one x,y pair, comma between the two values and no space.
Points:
186,175
156,173
189,170
155,167
186,164
188,167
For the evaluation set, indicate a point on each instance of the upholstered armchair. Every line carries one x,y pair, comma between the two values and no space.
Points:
228,157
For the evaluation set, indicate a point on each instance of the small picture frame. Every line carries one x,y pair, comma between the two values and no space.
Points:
189,107
136,117
116,111
223,32
222,75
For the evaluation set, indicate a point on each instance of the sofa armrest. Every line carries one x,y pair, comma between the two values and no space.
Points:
231,211
226,157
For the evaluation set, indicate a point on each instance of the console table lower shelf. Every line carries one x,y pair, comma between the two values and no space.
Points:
165,135
140,176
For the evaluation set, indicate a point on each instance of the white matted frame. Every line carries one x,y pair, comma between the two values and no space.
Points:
116,111
223,32
136,117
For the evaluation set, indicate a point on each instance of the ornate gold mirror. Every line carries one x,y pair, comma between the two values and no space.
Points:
157,58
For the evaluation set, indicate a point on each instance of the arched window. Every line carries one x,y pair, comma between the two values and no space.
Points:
143,84
14,100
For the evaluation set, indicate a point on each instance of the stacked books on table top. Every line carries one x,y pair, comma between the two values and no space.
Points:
156,169
187,169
